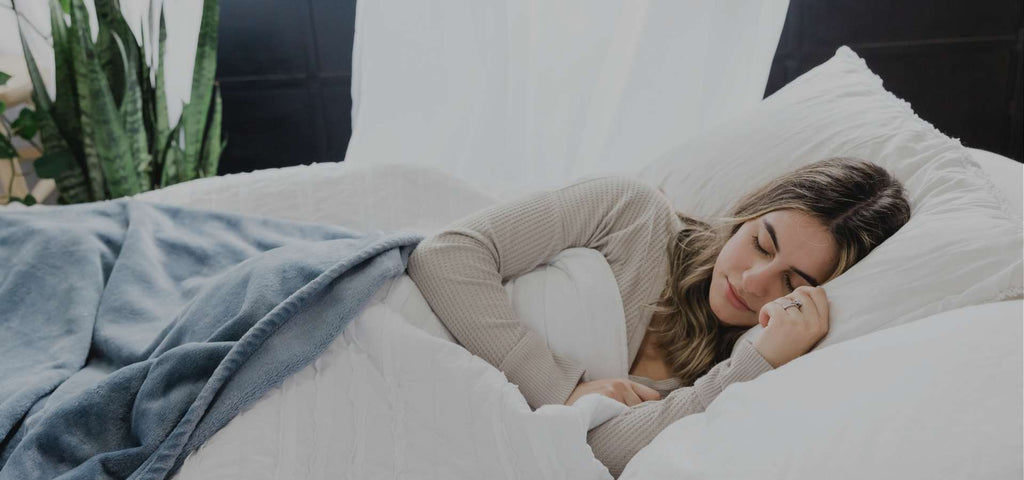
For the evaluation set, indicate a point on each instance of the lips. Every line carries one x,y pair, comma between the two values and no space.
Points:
736,297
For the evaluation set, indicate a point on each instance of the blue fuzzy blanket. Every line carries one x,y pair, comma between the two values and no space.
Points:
130,332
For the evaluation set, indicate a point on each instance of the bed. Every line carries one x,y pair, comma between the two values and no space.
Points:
254,446
903,387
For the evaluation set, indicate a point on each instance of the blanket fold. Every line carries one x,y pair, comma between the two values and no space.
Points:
130,332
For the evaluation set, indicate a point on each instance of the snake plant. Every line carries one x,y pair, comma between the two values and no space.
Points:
106,134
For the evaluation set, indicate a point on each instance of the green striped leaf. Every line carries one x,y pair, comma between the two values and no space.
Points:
81,73
131,114
104,138
171,157
210,158
108,13
161,135
73,182
65,109
203,72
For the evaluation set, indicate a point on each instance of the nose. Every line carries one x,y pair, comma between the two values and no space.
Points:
755,280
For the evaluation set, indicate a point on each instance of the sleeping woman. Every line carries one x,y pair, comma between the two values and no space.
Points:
689,288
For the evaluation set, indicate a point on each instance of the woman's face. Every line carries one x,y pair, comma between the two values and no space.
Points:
801,252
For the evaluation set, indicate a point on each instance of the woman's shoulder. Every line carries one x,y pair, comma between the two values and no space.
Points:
622,184
622,193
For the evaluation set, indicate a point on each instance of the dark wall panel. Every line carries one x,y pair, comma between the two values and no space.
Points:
335,23
886,21
957,62
263,39
285,69
268,126
338,119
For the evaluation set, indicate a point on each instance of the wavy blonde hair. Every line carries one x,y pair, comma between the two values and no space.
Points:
859,202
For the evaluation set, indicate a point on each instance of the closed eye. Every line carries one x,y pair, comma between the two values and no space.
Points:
757,245
788,280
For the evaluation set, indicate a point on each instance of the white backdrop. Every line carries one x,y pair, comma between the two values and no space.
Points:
507,93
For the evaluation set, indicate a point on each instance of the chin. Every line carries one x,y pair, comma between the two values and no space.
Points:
728,315
726,318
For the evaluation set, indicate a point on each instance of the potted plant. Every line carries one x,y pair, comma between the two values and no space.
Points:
106,134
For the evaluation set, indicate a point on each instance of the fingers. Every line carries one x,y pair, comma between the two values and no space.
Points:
809,307
821,300
821,303
813,314
796,329
645,393
629,397
768,311
621,390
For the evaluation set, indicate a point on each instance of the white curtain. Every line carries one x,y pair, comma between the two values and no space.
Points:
508,94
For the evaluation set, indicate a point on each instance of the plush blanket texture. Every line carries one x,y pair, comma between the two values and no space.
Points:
130,332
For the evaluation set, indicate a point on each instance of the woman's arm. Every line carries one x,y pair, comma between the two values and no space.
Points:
616,441
460,270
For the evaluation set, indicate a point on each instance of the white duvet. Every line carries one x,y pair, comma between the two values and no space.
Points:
394,396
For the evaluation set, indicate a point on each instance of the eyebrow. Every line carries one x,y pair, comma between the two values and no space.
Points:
775,241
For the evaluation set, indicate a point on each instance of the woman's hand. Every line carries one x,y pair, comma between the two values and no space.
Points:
625,391
791,332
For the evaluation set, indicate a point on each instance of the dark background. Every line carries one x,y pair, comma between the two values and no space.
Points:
957,62
284,67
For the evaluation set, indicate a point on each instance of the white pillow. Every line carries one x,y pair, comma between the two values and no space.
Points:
961,246
939,398
1006,174
571,301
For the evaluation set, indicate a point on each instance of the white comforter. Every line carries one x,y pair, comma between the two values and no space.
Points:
393,396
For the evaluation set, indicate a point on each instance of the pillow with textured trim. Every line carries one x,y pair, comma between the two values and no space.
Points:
961,247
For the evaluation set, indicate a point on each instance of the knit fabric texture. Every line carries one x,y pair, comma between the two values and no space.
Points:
461,269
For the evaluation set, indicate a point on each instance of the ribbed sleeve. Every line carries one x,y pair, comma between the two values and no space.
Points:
616,441
461,269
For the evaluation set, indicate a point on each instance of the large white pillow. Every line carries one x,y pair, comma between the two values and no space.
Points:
961,246
938,398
